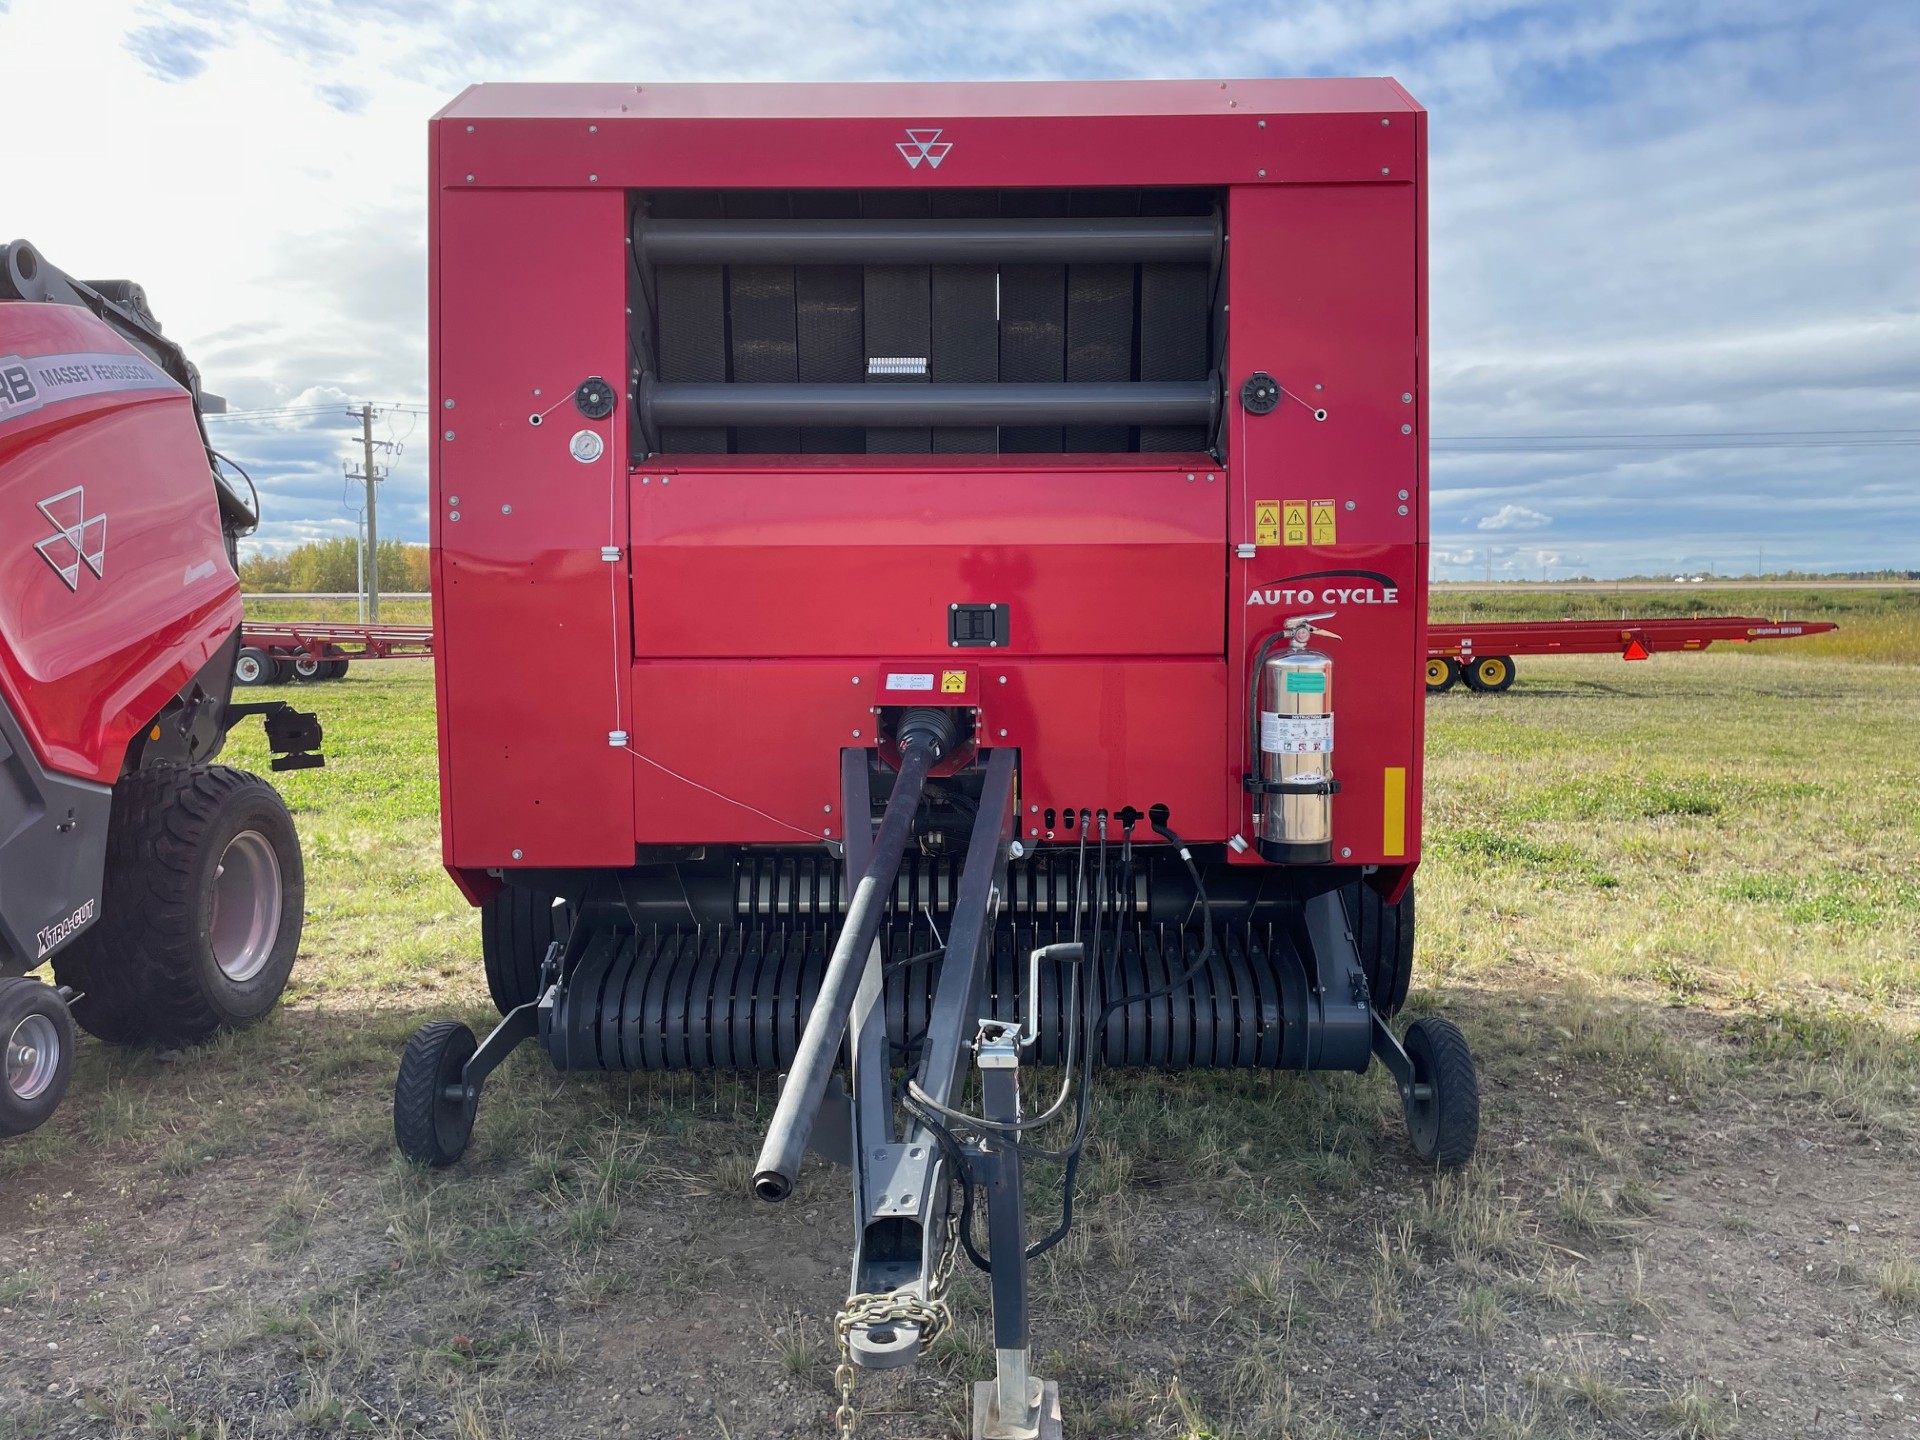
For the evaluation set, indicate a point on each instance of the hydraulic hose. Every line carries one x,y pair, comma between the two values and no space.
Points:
924,736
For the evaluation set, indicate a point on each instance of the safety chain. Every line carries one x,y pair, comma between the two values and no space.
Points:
932,1316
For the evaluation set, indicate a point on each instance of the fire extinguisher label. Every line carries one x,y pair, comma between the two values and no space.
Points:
1306,682
1296,734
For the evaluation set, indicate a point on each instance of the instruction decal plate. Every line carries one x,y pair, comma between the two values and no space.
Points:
1293,523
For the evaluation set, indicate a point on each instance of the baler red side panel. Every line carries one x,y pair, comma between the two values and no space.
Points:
86,665
1324,283
525,753
739,751
786,562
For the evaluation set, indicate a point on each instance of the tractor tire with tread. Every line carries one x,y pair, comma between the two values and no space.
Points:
516,927
429,1128
1444,1127
1383,938
201,911
36,1053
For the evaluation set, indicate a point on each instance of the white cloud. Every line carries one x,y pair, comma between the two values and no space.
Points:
1515,517
1647,217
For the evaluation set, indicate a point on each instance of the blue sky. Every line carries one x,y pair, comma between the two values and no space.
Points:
1650,219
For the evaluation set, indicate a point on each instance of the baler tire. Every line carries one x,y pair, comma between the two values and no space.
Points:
1443,673
1444,1127
36,1053
1383,937
429,1128
159,966
1492,674
253,666
516,927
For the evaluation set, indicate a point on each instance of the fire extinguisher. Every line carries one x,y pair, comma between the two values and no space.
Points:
1291,729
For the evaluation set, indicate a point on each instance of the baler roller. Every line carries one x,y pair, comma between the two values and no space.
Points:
1052,241
1118,402
734,998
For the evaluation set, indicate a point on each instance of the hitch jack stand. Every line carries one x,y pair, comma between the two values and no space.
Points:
1014,1405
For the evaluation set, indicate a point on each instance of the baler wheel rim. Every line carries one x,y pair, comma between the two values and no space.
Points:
36,1053
429,1127
1443,1114
1443,673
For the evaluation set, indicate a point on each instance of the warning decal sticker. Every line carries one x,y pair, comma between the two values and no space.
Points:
1266,522
1323,522
1293,522
953,682
1296,734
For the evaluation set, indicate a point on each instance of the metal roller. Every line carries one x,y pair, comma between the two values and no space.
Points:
692,405
734,998
1078,240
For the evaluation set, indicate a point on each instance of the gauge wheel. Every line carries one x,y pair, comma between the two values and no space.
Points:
1443,673
432,1107
1443,1112
36,1053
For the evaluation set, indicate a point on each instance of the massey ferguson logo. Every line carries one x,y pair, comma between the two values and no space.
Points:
923,145
81,539
58,932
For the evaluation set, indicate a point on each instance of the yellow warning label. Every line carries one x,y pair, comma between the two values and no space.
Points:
1293,523
1323,522
953,682
1266,522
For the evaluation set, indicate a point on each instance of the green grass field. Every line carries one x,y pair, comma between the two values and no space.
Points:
1674,904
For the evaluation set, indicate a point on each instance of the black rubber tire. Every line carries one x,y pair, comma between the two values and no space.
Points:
146,971
333,669
1444,1128
1490,674
253,667
429,1128
516,927
307,666
1443,673
282,670
23,1002
1383,935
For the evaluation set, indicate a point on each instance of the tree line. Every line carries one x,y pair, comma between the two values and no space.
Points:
332,565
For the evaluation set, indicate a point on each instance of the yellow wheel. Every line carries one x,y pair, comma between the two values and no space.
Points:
1442,674
1491,673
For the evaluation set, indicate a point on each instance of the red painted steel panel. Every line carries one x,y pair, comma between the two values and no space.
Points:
752,557
777,562
85,666
744,751
1325,294
532,621
795,136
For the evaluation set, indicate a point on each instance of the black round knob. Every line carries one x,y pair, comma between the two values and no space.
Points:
594,397
1260,394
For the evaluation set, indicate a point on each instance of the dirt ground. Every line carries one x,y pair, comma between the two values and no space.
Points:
1696,1210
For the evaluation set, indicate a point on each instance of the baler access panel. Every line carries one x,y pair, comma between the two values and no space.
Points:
1095,411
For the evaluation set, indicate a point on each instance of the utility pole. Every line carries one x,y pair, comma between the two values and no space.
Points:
369,473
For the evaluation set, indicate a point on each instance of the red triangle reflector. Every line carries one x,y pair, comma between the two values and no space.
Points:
1635,651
